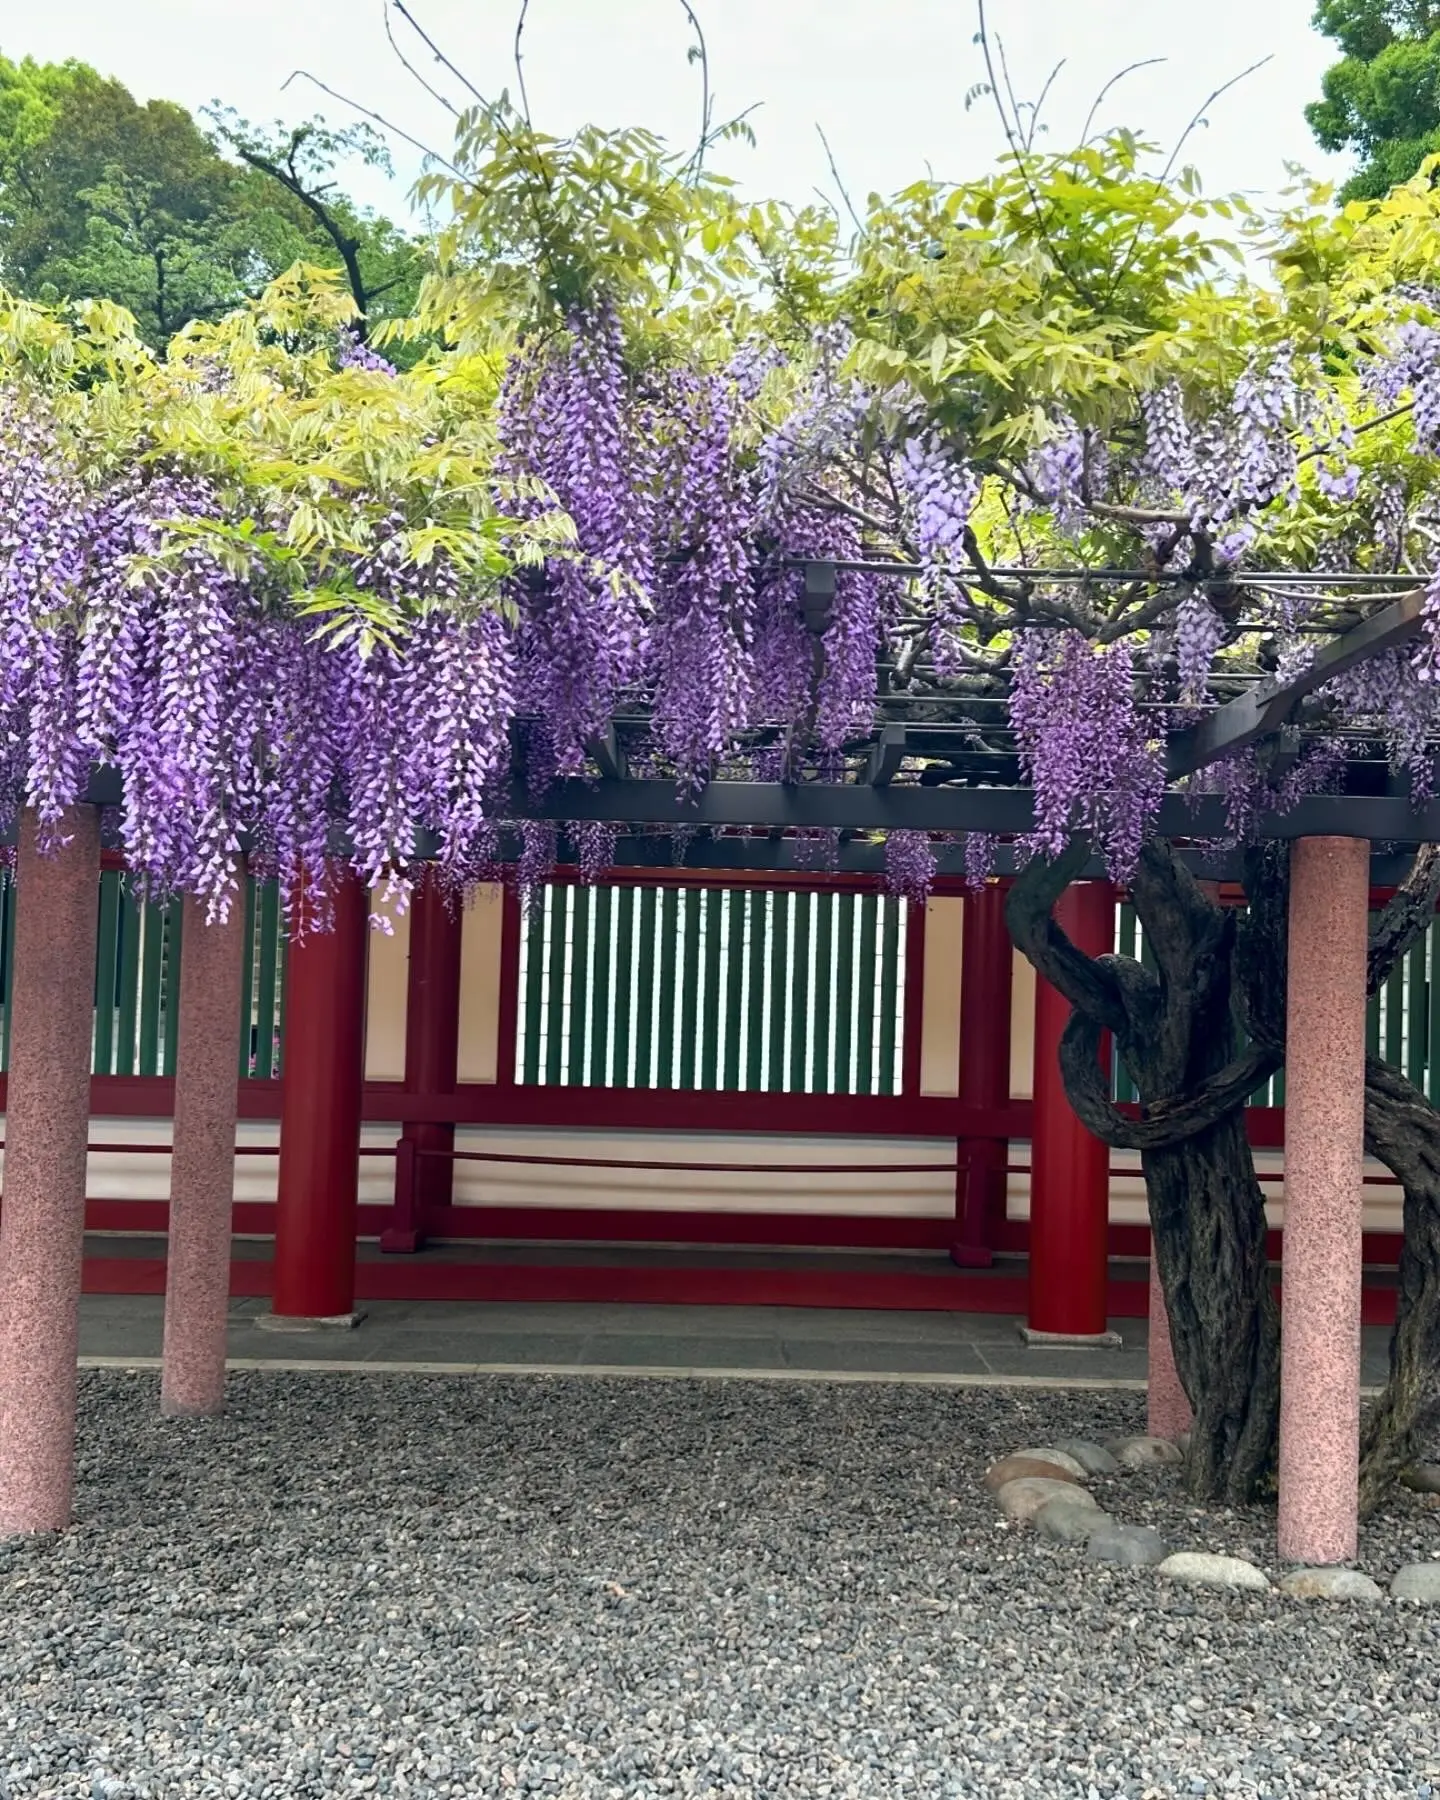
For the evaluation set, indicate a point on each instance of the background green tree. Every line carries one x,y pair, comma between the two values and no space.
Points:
103,197
1382,99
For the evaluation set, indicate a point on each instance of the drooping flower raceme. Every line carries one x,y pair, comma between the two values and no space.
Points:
1084,746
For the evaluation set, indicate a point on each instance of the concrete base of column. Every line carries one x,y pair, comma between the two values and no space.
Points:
202,1165
1168,1410
1070,1340
47,1129
1324,1158
287,1322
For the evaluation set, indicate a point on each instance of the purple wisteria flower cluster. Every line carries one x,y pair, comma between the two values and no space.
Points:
1084,746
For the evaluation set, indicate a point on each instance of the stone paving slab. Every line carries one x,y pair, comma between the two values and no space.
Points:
776,1340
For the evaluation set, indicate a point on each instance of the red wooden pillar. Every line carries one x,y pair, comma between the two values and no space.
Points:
985,972
423,1169
1069,1169
323,1079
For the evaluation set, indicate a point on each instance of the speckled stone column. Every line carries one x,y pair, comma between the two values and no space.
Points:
1324,1151
1168,1411
202,1163
47,1125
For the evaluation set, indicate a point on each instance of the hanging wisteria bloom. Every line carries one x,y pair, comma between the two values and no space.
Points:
909,865
1084,746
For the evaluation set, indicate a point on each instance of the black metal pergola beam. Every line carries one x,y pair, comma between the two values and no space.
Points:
1001,812
788,856
1240,723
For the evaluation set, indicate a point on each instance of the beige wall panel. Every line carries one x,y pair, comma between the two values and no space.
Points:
876,1189
126,1176
385,1002
480,986
940,1014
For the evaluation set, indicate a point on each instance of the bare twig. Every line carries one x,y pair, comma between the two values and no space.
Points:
409,67
1164,175
1129,69
435,50
1016,148
844,193
701,53
1039,105
520,62
1206,104
378,118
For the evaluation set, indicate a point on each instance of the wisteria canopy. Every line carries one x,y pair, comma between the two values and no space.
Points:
299,599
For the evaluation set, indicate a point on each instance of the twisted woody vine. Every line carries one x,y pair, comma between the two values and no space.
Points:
1133,449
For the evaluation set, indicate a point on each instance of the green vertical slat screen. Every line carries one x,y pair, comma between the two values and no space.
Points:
129,980
534,927
845,992
713,988
600,1017
779,991
556,923
737,925
138,952
1432,1033
579,981
665,986
152,931
624,981
800,1004
646,955
865,997
1418,1011
269,951
107,958
247,987
712,915
823,994
890,983
689,985
758,911
170,990
1395,1016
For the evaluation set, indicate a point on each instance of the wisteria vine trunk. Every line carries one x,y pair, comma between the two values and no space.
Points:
1179,1029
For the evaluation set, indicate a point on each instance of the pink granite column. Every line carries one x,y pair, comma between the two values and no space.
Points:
202,1163
1167,1405
47,1126
1324,1152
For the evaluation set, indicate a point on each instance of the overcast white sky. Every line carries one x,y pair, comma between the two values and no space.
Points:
886,78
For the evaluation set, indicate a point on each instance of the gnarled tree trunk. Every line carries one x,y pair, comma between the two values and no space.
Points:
1176,1028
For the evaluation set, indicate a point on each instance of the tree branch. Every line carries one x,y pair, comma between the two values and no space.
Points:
1165,1122
1087,984
346,246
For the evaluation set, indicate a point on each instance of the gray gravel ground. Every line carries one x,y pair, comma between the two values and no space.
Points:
431,1586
